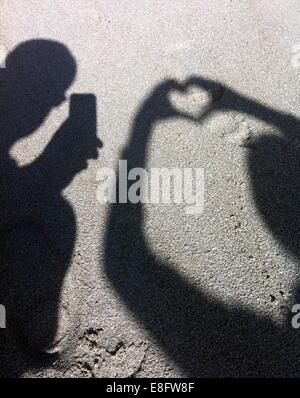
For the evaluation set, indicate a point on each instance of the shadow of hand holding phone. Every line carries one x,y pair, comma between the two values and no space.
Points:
38,225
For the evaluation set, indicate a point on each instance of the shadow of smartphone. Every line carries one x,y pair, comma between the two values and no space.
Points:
83,124
83,111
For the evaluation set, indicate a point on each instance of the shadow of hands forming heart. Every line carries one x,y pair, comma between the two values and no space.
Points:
193,99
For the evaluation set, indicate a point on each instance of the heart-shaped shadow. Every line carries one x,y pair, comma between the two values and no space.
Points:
194,98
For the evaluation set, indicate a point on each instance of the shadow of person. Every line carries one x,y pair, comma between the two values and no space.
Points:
199,333
38,225
274,167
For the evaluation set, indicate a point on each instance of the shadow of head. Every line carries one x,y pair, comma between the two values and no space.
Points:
37,75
